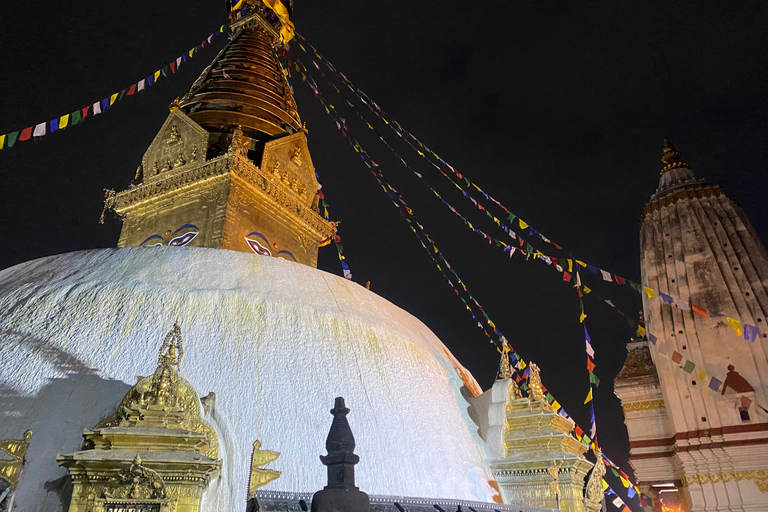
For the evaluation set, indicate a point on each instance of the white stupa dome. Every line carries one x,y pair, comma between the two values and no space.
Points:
275,340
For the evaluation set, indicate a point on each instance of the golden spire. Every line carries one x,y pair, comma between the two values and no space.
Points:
671,158
505,372
534,384
172,350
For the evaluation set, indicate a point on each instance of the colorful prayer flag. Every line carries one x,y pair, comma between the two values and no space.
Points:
735,325
12,138
54,125
663,348
593,379
689,366
666,298
650,292
63,121
699,311
715,384
590,365
606,276
76,117
653,338
39,130
566,277
620,280
2,141
750,333
677,357
702,374
590,350
523,225
683,305
582,317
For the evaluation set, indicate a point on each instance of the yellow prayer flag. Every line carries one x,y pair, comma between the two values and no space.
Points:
522,365
605,485
650,292
192,51
157,75
582,317
624,482
581,263
589,397
113,99
735,325
2,141
570,265
702,375
63,122
556,405
641,330
587,289
523,225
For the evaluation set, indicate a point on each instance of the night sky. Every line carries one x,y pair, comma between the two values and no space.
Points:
556,108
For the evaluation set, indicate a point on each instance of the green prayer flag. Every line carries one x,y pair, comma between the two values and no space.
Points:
75,117
615,473
586,440
511,218
549,397
593,379
636,286
689,366
12,139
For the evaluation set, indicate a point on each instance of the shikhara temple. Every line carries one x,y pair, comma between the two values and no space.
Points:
192,367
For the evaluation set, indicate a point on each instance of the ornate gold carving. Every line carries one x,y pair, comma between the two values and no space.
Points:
136,482
758,477
174,136
260,476
505,372
180,160
296,157
10,470
643,406
593,494
536,387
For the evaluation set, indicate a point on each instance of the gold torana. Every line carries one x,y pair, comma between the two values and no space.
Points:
155,453
230,167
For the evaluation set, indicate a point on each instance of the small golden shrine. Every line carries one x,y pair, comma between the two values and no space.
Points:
155,454
534,460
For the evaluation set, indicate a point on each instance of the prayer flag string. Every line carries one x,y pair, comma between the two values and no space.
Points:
518,364
324,211
76,117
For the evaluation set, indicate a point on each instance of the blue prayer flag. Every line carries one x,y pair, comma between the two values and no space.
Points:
592,269
750,333
586,334
666,298
631,493
104,104
715,384
652,338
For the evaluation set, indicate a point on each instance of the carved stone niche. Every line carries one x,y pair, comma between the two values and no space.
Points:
287,162
180,142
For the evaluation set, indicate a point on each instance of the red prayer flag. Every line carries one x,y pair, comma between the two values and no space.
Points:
699,311
85,111
26,133
619,280
132,90
590,365
677,357
566,276
578,431
173,67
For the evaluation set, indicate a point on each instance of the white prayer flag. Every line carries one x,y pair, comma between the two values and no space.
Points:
39,130
683,305
618,503
142,83
97,108
178,62
590,350
606,276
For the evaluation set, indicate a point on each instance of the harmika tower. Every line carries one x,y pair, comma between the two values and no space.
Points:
697,246
230,167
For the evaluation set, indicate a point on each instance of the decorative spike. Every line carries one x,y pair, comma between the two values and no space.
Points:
671,158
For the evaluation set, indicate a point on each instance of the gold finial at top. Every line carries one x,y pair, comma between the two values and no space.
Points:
172,350
671,158
505,372
534,383
175,105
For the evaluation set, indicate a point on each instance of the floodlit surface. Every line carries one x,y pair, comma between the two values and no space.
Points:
276,341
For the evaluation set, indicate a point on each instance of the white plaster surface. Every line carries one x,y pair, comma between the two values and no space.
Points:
276,341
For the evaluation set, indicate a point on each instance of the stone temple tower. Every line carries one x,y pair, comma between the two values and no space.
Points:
230,167
710,444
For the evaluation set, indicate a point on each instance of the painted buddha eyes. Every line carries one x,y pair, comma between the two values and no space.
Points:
181,237
260,245
182,240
